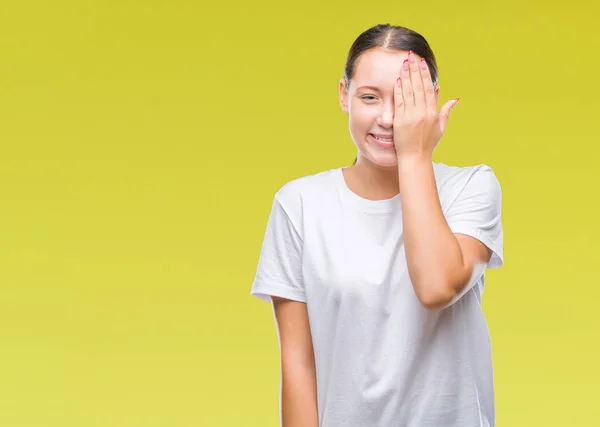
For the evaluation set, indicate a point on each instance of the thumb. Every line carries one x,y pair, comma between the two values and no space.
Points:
445,112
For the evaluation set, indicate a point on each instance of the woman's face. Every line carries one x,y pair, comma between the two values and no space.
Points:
369,102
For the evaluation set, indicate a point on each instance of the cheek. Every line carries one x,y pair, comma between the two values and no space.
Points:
362,116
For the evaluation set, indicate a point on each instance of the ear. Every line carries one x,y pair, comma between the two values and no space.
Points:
343,89
437,94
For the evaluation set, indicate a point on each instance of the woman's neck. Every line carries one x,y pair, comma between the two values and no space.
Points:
372,182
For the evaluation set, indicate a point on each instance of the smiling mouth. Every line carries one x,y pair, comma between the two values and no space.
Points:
384,141
383,138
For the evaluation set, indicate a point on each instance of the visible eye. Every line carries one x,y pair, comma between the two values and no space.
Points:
368,97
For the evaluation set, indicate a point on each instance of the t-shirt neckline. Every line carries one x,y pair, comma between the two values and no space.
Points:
362,204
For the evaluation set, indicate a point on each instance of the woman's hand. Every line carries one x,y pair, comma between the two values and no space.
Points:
418,126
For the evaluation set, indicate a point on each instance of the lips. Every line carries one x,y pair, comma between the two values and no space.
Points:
386,144
383,136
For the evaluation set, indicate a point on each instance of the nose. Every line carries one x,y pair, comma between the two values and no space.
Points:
386,118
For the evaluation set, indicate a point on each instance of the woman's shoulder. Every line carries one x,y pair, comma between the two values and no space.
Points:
297,195
294,190
457,177
446,169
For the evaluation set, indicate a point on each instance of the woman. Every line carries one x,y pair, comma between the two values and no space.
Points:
376,271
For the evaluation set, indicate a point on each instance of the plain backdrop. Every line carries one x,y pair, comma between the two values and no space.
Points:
141,144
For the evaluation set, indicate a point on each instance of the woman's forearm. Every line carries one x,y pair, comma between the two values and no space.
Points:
298,372
299,397
433,254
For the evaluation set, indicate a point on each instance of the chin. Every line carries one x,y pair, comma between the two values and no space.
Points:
385,160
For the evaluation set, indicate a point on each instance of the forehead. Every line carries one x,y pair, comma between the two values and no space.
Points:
379,67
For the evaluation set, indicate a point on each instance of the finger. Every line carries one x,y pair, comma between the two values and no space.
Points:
398,97
407,89
417,81
430,101
445,113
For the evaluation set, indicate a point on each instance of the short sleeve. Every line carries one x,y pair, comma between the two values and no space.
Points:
279,271
477,212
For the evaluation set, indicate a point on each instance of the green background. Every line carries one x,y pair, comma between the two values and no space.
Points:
141,143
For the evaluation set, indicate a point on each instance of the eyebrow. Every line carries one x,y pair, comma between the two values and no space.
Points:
368,87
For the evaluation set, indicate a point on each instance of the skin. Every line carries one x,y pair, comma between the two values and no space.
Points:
298,371
440,263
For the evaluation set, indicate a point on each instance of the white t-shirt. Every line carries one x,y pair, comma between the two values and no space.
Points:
382,358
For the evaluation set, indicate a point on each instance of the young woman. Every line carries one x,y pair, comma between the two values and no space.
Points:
376,271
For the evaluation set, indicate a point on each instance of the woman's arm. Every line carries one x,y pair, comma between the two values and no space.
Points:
440,263
298,373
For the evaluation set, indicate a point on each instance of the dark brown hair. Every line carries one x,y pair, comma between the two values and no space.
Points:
392,37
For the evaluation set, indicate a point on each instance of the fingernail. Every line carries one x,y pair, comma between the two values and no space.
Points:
411,57
423,64
399,81
405,64
457,99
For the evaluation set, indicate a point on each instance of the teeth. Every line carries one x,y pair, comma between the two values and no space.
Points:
383,139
